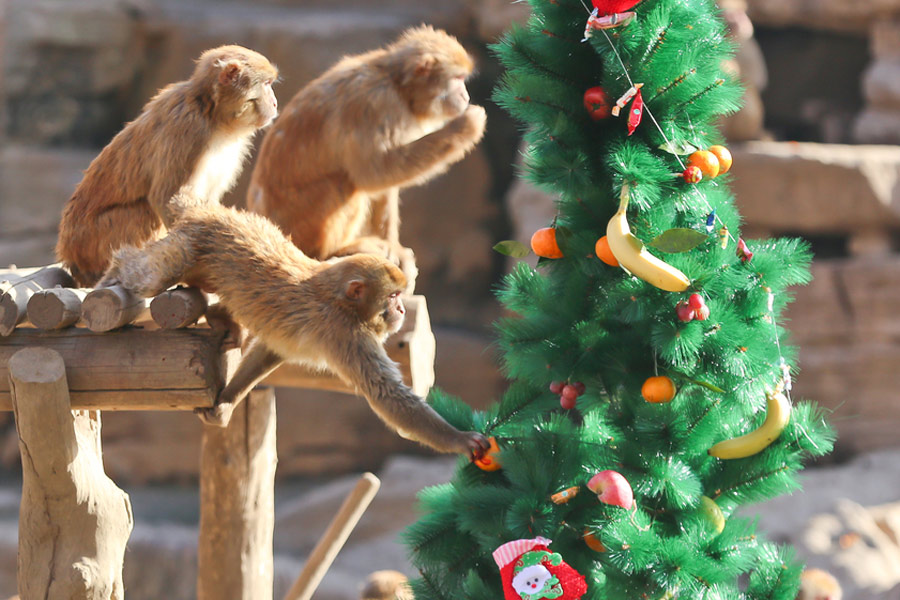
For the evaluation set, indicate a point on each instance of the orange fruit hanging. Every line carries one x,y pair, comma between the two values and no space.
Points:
592,542
658,390
543,242
491,459
604,253
724,155
706,161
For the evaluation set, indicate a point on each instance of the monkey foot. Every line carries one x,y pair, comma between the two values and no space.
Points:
217,416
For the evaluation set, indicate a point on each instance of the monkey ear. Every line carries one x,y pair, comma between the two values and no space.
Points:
230,73
425,65
356,289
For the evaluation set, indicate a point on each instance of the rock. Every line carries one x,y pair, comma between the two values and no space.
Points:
37,182
876,126
69,65
836,15
788,186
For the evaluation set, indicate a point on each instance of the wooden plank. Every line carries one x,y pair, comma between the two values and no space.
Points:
18,285
161,368
105,309
177,308
413,348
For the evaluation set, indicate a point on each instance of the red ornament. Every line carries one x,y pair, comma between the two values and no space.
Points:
596,102
636,112
557,386
568,402
579,387
529,570
702,313
693,175
696,301
610,7
743,252
684,311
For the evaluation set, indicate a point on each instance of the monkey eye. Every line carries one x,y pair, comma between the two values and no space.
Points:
394,295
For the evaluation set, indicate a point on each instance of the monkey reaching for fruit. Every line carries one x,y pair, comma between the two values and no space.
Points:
330,168
335,314
196,132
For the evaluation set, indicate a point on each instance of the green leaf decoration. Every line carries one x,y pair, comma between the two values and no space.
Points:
708,386
678,147
512,248
677,240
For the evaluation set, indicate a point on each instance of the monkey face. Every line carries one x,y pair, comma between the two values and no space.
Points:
455,99
394,313
265,104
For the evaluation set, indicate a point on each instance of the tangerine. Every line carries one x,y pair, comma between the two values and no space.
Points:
706,161
724,156
543,242
604,253
491,459
658,390
592,542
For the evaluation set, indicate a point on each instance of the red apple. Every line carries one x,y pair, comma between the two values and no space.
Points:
612,488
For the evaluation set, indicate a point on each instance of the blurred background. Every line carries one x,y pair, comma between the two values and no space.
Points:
814,157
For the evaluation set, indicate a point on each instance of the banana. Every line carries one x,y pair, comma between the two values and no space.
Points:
778,413
634,257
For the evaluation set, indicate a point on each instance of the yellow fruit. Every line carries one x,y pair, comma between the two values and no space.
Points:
633,255
543,242
778,413
658,390
706,161
604,253
724,156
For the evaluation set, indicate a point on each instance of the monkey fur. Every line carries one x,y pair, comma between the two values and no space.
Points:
325,314
330,168
195,132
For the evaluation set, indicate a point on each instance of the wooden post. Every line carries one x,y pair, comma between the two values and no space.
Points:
237,507
17,286
74,522
55,308
174,309
355,504
105,309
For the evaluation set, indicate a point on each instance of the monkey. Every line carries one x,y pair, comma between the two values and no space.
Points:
330,169
816,584
195,132
333,315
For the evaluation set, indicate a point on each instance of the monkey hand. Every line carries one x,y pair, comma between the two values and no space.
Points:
469,126
475,445
217,416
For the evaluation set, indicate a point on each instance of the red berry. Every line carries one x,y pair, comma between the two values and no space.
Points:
702,313
567,403
569,391
684,311
596,102
579,387
696,301
557,387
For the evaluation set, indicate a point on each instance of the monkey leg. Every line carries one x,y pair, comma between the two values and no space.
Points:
152,269
256,363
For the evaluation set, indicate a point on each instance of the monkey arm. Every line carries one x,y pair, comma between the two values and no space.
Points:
422,159
372,371
256,363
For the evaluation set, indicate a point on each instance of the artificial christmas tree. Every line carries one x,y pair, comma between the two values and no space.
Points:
679,410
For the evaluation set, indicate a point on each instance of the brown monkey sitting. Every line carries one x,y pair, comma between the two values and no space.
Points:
335,315
195,132
330,168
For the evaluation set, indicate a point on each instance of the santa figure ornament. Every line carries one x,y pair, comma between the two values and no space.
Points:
530,571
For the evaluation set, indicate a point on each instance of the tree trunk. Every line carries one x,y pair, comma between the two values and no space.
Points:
74,522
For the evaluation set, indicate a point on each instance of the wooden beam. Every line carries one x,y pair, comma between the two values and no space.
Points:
413,348
55,308
131,369
237,506
177,308
18,285
105,309
74,523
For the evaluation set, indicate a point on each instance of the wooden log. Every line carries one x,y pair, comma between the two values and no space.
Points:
74,522
55,308
131,369
237,508
18,285
105,309
174,309
318,563
413,348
